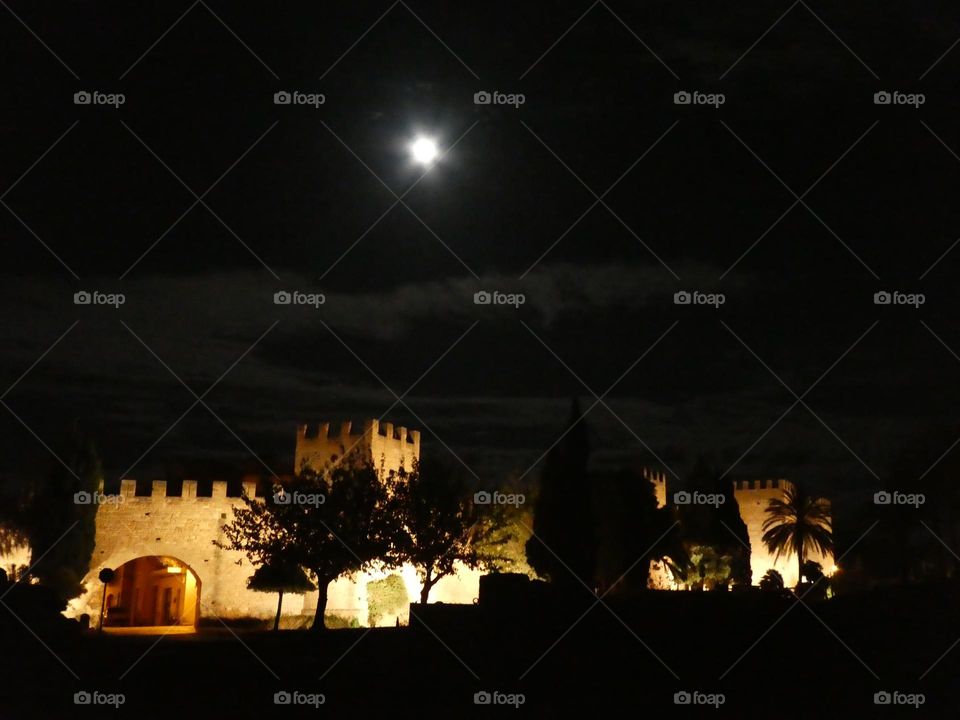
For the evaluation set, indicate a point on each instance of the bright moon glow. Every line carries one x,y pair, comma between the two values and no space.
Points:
424,150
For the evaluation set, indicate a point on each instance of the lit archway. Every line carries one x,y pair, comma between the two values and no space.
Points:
153,591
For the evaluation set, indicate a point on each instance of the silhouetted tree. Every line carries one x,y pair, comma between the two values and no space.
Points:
632,532
563,541
771,581
62,518
440,525
331,523
912,543
280,577
718,526
797,524
815,583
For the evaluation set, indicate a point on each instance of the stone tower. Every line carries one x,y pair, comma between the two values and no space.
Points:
387,447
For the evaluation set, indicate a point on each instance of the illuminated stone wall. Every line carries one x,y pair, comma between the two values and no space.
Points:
185,527
753,497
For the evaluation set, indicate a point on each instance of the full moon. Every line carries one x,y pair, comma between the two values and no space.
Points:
424,150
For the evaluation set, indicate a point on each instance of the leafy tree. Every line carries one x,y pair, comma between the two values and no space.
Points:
385,597
61,525
333,523
505,546
798,524
771,581
440,525
563,541
280,577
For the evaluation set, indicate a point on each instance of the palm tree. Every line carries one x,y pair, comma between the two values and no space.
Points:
798,524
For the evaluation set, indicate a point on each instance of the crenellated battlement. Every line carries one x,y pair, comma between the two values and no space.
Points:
188,490
659,482
657,478
766,484
382,443
321,431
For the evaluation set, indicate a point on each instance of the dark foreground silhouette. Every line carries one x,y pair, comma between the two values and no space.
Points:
656,646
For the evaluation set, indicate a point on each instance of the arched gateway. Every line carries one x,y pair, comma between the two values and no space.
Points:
152,591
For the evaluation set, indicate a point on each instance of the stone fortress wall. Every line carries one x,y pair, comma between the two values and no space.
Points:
184,527
753,497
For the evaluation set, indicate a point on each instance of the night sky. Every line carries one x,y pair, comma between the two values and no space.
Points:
598,198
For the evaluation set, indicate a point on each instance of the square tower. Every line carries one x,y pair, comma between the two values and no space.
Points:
387,447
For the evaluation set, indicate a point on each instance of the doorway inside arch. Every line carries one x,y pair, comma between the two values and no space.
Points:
153,591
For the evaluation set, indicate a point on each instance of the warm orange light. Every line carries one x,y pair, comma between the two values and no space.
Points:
174,569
